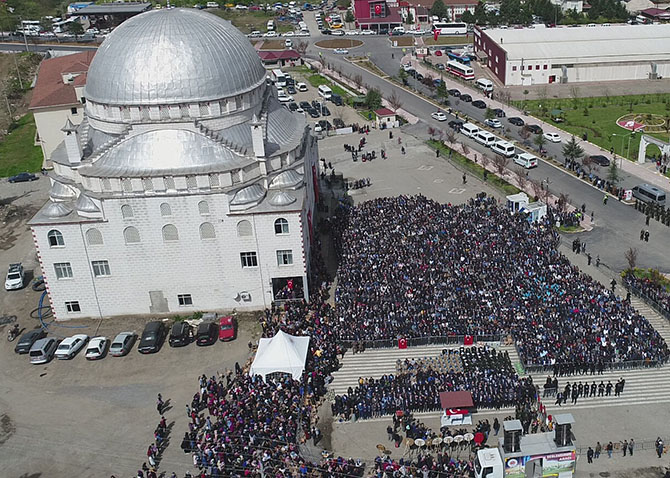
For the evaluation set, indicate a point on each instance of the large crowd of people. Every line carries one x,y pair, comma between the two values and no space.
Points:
411,267
487,374
654,290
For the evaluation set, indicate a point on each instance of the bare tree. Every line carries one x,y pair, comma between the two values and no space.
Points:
521,178
440,135
395,101
451,136
500,164
465,149
588,163
537,187
485,161
631,257
563,201
358,81
574,94
301,48
431,131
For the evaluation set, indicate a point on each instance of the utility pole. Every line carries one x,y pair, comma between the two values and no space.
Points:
18,73
8,107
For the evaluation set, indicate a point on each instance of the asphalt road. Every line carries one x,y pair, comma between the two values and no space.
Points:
617,225
10,47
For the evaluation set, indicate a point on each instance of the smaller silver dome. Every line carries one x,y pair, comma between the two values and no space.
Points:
60,191
250,194
287,180
282,198
57,209
85,204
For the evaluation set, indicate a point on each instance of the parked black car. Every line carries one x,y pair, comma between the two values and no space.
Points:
28,339
305,105
499,113
600,160
325,124
336,99
313,112
466,98
292,106
479,104
23,177
455,124
290,89
534,128
338,123
454,92
325,111
180,334
516,121
153,337
207,334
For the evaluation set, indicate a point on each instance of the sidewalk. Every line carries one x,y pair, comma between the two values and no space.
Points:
629,167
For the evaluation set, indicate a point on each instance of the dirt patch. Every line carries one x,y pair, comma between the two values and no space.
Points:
448,40
339,43
13,221
16,73
7,428
273,45
402,41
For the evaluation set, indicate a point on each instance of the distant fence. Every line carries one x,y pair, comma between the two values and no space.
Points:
422,341
648,299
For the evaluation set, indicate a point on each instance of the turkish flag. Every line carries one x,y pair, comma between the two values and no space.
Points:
402,343
378,9
289,284
436,33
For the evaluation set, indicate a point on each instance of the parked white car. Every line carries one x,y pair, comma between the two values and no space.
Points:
341,51
69,347
338,33
301,86
15,277
553,137
367,32
493,123
270,34
96,348
352,32
284,98
439,116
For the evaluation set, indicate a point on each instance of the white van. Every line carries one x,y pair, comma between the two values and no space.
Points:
526,160
486,138
270,25
398,31
469,130
484,84
503,148
325,92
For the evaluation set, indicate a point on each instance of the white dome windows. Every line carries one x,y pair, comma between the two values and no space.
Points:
207,231
281,226
126,211
94,237
131,235
166,210
244,229
203,208
55,238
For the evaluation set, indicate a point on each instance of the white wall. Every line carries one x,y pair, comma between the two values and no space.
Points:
49,122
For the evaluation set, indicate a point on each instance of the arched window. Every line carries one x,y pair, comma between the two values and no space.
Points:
191,182
127,185
166,210
148,184
244,229
170,233
94,237
281,226
126,211
214,181
169,183
55,238
106,185
203,208
131,235
207,231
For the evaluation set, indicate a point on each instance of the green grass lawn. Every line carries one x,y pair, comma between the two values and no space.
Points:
248,21
654,276
447,40
474,169
600,122
18,152
318,80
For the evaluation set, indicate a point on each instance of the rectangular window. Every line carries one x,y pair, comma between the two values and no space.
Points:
185,299
285,257
63,270
249,259
537,67
73,110
514,68
545,67
101,268
73,306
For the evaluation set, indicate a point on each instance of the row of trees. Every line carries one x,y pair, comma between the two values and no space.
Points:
520,12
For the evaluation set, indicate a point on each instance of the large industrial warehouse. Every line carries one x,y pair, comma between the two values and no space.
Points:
540,55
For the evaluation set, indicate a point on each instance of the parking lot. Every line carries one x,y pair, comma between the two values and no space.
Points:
89,418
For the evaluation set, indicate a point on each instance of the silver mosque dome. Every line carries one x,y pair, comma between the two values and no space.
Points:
173,56
282,198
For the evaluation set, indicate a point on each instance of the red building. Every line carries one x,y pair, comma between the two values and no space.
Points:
376,15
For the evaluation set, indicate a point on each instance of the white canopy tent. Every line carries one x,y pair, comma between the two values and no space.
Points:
282,353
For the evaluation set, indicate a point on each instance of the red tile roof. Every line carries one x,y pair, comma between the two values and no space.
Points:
384,112
50,89
449,3
269,55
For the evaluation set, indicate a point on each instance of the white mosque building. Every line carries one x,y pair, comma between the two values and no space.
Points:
187,186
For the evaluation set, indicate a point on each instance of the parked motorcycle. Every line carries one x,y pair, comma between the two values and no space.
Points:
13,333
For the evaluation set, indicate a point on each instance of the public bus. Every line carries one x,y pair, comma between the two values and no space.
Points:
465,59
450,28
461,70
30,28
278,77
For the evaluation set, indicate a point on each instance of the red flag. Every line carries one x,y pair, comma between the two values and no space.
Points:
378,9
436,33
